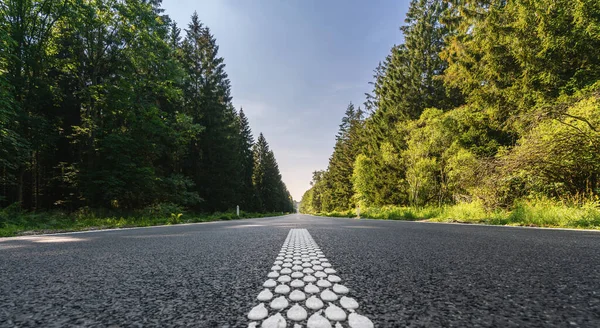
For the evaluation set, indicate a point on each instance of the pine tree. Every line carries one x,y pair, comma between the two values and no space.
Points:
102,104
214,161
12,145
409,80
406,83
509,58
260,176
29,26
248,198
341,163
271,191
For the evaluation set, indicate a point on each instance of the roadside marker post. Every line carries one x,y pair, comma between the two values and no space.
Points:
238,210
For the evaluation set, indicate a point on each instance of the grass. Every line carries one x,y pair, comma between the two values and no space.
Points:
540,212
388,213
14,222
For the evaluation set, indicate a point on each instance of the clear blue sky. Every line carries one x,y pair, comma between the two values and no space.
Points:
295,65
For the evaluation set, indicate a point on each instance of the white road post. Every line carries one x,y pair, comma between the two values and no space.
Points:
238,210
358,211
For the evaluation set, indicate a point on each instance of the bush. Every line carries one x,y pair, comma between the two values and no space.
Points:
175,218
342,214
465,212
550,213
399,213
10,213
224,216
540,212
163,210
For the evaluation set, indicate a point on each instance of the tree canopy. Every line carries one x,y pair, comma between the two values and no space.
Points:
489,101
108,104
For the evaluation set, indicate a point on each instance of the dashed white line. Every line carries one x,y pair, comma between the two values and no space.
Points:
303,290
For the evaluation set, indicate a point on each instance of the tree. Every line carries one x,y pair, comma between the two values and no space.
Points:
103,105
248,196
29,25
341,163
313,199
486,101
215,161
271,191
509,57
406,83
12,145
362,181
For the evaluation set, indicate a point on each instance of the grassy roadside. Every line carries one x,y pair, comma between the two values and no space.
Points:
533,213
16,223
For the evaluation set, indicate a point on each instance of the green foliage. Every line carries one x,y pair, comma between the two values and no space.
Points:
175,218
15,221
340,214
272,194
509,56
561,154
488,112
541,212
248,196
163,210
105,105
363,180
549,213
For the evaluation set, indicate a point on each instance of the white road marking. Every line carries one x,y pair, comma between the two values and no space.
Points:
303,290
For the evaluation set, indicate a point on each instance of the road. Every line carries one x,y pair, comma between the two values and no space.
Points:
401,274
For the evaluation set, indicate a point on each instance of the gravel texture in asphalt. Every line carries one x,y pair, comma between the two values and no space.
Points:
403,274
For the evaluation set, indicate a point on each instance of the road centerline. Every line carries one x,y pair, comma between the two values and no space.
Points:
303,290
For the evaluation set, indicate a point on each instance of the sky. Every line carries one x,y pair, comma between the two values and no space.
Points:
295,65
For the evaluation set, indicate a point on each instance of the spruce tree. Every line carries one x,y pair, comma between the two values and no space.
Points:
271,192
406,83
214,161
102,104
342,160
247,194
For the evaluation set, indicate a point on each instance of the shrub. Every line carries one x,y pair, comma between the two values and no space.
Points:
552,213
163,210
175,218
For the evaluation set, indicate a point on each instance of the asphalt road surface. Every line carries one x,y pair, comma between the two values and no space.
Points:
401,274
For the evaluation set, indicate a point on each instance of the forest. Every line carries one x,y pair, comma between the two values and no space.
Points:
109,105
488,111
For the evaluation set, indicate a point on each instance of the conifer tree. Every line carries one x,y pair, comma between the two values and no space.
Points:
248,198
271,192
102,104
478,103
406,83
341,163
214,161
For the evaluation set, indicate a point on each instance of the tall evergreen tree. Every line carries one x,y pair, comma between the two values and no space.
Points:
102,104
272,194
406,83
12,145
214,161
341,163
248,198
29,25
410,78
528,77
